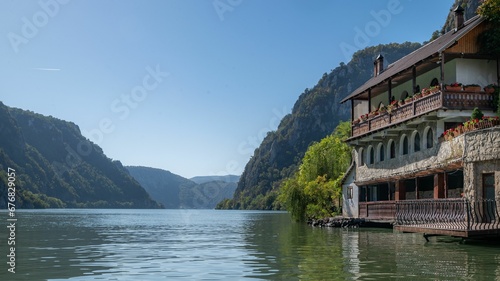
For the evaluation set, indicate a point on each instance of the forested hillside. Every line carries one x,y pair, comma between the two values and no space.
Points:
56,167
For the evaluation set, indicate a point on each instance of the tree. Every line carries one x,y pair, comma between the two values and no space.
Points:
490,39
311,191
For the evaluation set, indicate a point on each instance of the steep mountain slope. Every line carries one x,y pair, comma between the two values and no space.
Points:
314,116
174,191
57,167
470,7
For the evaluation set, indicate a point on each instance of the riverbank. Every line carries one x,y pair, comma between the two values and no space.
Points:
348,222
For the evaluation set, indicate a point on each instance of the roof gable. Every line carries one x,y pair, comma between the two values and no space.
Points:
437,46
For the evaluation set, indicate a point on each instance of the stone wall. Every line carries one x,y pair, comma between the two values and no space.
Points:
479,152
439,156
483,156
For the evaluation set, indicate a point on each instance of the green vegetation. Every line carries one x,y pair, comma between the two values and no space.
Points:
57,167
314,116
476,114
490,39
313,190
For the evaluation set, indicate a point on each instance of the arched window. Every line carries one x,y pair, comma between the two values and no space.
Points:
434,82
416,142
392,149
429,138
404,95
361,157
371,155
404,145
381,152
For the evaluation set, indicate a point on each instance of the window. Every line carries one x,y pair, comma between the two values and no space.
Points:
404,95
371,155
392,148
489,186
429,138
381,153
349,192
404,145
489,205
361,157
416,142
434,82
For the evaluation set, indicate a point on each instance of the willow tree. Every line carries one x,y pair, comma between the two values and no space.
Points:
313,190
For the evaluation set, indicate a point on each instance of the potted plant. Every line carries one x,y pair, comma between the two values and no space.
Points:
401,102
393,105
408,99
454,87
434,89
471,125
448,134
472,88
490,89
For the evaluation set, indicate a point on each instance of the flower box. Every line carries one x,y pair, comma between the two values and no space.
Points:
489,90
472,88
453,88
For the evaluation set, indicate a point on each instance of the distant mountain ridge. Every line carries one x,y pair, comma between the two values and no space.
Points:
204,179
57,167
175,192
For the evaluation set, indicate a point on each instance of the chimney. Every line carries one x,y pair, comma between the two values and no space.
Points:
378,65
459,17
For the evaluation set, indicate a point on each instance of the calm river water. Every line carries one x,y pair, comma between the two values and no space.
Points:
228,245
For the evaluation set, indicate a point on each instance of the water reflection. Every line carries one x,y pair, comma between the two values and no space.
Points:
297,252
230,245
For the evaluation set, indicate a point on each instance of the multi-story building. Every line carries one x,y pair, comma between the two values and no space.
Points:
415,162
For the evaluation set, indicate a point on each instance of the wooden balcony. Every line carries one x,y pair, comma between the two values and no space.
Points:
378,210
458,217
440,100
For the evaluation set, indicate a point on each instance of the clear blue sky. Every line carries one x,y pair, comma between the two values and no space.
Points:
190,86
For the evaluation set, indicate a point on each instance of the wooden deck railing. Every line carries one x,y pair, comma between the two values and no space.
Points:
441,99
453,214
378,210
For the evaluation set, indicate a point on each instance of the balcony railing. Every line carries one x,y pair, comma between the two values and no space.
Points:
451,214
378,210
441,99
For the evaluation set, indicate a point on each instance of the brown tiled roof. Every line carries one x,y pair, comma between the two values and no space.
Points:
438,45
